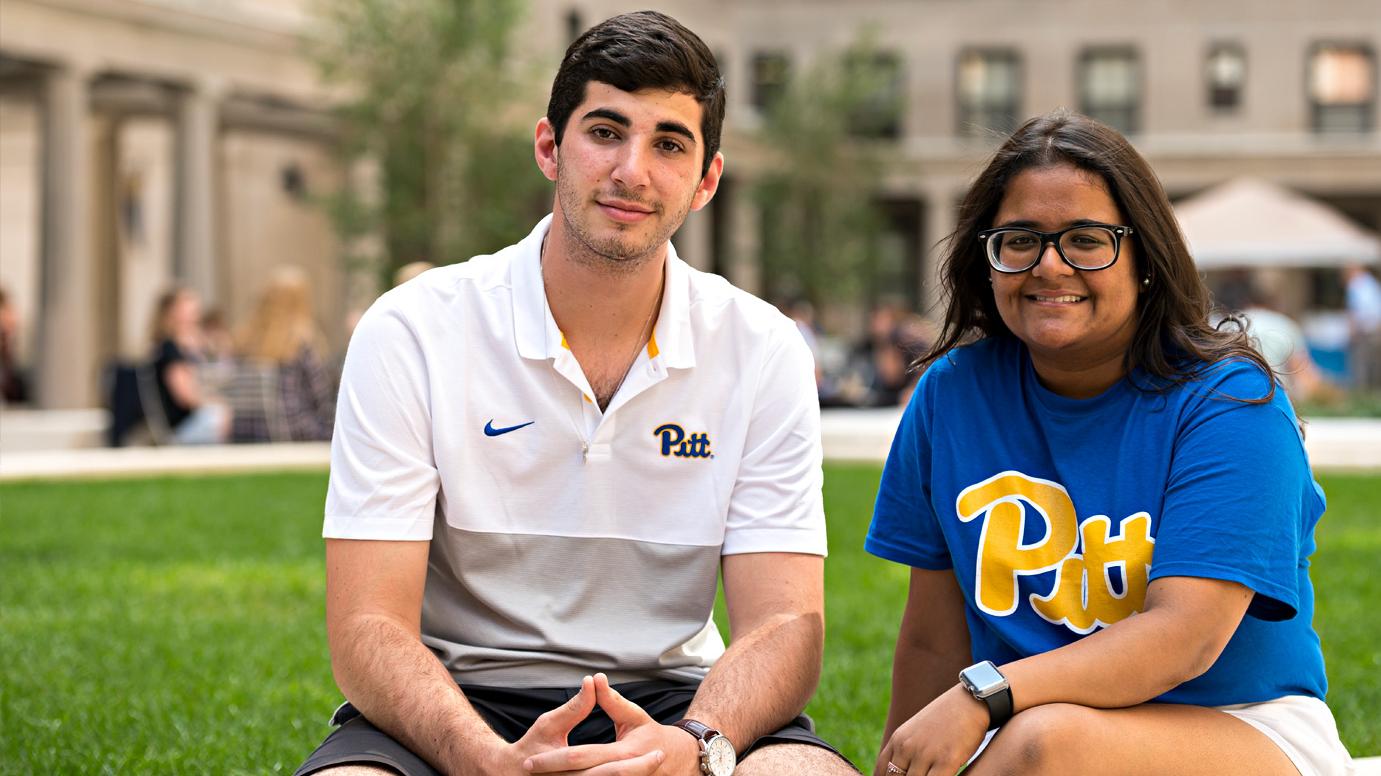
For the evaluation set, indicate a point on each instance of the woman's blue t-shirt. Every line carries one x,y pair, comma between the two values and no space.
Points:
1056,513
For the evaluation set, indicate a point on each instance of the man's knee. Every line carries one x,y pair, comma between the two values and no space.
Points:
357,770
1039,740
777,759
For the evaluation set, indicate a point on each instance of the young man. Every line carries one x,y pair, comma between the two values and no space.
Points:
543,458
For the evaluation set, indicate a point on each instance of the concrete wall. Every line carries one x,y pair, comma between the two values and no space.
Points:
19,213
265,226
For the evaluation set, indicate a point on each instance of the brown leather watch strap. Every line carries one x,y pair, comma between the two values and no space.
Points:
698,729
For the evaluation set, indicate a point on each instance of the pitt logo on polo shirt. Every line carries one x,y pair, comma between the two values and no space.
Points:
675,442
1084,596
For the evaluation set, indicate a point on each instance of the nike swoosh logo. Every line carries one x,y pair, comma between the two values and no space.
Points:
489,429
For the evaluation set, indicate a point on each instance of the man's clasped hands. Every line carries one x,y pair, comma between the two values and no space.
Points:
642,746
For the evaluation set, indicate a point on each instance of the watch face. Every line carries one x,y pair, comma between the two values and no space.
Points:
983,679
720,757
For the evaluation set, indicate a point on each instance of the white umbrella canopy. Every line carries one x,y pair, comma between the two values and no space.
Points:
1249,222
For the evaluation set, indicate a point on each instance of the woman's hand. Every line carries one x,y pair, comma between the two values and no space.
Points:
939,739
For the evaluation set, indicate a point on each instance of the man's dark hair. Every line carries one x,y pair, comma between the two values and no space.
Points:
641,50
1174,340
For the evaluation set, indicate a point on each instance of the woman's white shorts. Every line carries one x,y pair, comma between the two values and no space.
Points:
1303,728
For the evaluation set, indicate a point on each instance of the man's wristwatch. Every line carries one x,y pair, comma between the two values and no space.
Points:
717,755
988,685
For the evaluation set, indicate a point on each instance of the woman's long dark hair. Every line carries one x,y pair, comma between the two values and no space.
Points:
1174,339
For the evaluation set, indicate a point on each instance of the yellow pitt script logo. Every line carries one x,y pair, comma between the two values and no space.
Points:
1083,597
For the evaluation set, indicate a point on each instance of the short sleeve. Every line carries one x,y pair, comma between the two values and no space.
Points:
168,354
905,528
383,474
1240,501
776,504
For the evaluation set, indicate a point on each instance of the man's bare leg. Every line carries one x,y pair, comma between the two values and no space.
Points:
777,759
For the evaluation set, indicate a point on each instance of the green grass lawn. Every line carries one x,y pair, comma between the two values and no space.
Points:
175,625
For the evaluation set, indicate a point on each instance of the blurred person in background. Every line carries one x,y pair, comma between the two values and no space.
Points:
13,389
283,336
1364,327
411,270
802,313
195,415
886,363
912,337
1280,340
866,379
218,351
881,366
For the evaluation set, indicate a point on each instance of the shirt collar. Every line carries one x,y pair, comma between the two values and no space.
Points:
538,336
672,338
533,326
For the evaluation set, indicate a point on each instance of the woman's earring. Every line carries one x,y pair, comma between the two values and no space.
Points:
1146,282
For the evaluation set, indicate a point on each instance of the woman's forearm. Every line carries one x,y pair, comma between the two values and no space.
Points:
1186,624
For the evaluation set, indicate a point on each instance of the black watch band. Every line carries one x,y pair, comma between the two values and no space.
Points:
986,684
999,707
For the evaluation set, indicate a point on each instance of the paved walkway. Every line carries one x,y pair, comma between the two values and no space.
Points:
149,461
1334,444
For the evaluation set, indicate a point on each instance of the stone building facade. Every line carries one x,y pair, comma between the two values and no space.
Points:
146,142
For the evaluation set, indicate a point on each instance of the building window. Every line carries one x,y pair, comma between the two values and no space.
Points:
575,25
1342,87
989,90
1110,87
877,80
1225,72
771,73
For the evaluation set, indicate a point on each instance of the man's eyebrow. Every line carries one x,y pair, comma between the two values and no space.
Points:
608,114
677,128
611,115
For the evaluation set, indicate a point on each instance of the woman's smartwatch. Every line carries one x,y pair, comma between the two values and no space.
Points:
988,685
717,755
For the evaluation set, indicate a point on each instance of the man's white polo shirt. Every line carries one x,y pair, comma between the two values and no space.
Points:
566,540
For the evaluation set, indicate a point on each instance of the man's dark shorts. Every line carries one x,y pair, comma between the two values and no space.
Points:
512,711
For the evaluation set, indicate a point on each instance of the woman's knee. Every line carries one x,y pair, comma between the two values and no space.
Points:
1043,739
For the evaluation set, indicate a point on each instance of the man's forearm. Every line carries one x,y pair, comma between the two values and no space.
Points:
764,679
400,687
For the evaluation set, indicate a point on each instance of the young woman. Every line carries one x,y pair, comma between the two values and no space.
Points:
283,337
194,414
1105,502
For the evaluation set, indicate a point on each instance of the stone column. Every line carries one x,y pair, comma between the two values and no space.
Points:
693,240
361,278
940,216
194,254
67,372
745,268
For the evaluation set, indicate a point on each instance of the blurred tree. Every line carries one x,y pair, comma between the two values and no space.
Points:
428,84
822,163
